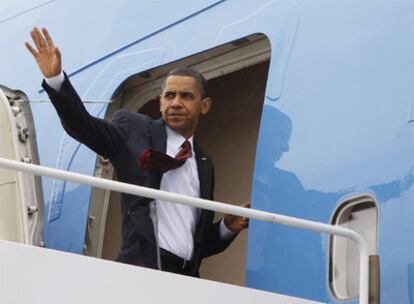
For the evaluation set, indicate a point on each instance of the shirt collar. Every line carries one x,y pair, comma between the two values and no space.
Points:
175,140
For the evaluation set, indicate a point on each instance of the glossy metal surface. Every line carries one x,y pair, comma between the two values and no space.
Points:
339,130
337,121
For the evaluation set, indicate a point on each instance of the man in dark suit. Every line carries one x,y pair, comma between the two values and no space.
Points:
155,153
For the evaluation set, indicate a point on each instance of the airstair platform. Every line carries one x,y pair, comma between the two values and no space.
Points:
34,275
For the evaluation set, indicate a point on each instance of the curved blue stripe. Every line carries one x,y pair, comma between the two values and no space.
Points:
141,39
26,11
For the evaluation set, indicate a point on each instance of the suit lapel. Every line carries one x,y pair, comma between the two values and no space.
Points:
158,137
205,173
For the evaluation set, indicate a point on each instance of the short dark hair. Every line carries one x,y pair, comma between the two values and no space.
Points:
202,83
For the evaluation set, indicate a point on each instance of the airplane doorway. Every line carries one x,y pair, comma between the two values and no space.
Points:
228,134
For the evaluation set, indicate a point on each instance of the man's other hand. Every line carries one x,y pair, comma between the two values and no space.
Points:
47,56
237,223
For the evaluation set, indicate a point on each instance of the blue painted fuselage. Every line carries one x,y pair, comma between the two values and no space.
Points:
337,119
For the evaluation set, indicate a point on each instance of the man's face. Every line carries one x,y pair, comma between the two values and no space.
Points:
181,104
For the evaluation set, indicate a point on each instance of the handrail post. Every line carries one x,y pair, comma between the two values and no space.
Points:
207,204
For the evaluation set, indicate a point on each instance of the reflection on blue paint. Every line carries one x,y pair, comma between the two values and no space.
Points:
280,249
280,258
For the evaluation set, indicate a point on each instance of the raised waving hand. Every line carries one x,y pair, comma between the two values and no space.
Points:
47,56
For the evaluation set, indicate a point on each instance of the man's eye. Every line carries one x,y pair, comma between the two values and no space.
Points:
168,95
188,96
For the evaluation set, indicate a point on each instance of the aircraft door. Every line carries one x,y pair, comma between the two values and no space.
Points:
21,201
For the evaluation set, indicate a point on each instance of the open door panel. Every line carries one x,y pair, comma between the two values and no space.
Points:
21,199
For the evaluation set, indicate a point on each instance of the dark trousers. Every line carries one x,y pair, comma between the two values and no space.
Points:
172,263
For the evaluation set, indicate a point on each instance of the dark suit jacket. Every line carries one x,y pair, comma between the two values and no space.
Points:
121,141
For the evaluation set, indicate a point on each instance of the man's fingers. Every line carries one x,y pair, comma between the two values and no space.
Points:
244,223
31,49
34,38
38,38
246,205
48,38
58,54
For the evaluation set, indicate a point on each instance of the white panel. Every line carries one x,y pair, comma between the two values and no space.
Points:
34,275
12,226
21,199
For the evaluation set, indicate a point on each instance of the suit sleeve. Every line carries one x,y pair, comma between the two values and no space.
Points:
215,244
104,137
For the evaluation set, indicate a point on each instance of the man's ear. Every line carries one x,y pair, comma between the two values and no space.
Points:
206,104
159,97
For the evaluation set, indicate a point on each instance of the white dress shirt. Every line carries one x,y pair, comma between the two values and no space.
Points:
56,82
176,223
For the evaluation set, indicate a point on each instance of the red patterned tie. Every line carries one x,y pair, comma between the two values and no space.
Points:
153,160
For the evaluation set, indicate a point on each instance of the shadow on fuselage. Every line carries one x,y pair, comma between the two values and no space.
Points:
289,260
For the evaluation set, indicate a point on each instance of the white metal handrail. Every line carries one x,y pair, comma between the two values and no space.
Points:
206,204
